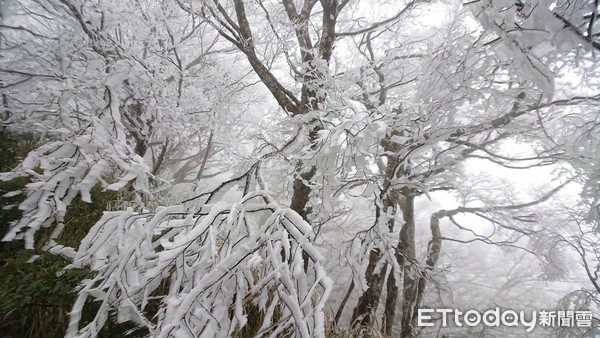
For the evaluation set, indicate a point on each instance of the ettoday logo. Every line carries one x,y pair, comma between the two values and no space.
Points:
498,317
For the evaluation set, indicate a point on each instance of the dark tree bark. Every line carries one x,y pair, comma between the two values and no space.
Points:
369,301
310,99
406,260
391,299
363,314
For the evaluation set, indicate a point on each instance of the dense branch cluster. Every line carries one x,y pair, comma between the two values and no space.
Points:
208,269
375,135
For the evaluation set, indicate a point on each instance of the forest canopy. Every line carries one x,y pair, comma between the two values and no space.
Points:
304,168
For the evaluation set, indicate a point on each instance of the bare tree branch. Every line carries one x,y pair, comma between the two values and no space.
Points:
376,25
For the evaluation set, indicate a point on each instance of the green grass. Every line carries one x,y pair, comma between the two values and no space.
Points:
34,298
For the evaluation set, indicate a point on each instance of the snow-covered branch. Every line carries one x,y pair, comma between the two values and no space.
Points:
222,269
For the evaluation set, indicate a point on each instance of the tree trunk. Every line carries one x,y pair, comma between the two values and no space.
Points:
433,254
391,299
406,261
368,302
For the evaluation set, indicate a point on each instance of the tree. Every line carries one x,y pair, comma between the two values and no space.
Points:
383,120
133,109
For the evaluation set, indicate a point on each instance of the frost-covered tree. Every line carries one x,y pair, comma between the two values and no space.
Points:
373,108
125,87
107,89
